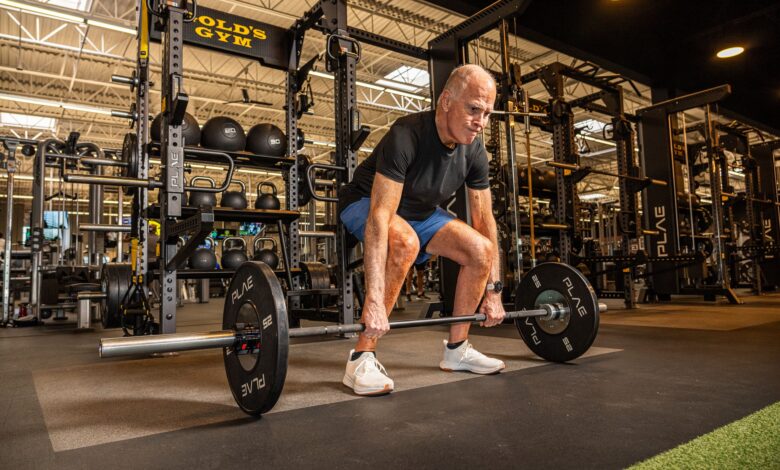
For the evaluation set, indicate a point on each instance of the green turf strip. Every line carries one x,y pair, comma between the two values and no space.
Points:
751,442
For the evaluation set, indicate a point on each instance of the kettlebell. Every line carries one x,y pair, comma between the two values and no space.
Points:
267,201
201,198
232,258
266,255
235,199
203,257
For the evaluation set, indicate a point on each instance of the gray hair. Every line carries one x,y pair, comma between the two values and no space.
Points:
462,75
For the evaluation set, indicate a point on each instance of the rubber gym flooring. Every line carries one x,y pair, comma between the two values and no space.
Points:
656,377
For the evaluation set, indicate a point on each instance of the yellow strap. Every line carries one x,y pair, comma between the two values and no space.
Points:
143,48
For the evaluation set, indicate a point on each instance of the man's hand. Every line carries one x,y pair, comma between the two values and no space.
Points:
493,308
375,319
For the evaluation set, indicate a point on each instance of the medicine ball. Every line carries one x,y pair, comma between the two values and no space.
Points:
189,128
266,139
223,133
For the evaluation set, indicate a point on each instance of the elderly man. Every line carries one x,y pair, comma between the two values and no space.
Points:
392,205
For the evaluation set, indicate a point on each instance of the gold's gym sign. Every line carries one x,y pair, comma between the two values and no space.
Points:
228,32
216,30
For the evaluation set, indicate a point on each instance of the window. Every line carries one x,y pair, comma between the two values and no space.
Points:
27,121
80,5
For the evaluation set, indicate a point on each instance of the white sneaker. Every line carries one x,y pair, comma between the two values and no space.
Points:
465,357
366,376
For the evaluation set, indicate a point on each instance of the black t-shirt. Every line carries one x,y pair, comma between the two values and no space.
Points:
412,153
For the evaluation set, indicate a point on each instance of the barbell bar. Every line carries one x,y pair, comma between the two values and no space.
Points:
178,342
575,167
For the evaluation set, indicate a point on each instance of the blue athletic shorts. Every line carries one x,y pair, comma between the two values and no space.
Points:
355,215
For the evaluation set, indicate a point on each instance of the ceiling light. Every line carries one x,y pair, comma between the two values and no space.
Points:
42,11
27,121
396,85
730,52
369,85
316,73
50,13
592,196
55,104
112,27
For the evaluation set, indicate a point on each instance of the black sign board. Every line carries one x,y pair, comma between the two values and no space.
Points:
219,31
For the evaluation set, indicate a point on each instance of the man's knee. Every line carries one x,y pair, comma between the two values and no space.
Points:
404,245
481,254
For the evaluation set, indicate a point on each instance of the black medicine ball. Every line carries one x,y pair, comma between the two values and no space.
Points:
223,133
189,126
266,139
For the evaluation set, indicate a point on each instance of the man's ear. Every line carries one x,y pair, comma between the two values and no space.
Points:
444,100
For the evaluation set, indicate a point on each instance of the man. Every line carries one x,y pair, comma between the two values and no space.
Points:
392,205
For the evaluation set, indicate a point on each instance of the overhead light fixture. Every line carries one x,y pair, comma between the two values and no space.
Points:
55,104
730,52
42,11
112,27
58,15
592,196
396,85
27,121
316,73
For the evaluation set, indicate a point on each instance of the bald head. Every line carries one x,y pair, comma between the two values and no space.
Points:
465,76
464,105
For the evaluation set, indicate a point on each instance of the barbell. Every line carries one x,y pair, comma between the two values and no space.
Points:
557,315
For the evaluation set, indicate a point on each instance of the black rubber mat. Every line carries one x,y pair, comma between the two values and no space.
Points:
666,387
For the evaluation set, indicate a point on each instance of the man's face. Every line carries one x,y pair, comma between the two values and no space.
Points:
468,112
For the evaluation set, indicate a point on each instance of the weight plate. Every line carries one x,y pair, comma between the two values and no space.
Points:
316,276
304,195
116,282
558,283
255,300
130,155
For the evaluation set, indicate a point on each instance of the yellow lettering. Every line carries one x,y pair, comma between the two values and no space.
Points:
223,37
259,34
204,32
206,21
245,42
221,25
240,29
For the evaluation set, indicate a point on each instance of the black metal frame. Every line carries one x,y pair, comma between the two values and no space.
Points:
658,146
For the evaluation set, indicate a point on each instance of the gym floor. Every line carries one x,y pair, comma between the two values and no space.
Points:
656,377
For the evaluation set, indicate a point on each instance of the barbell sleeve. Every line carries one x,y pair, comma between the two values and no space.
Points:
156,344
124,80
